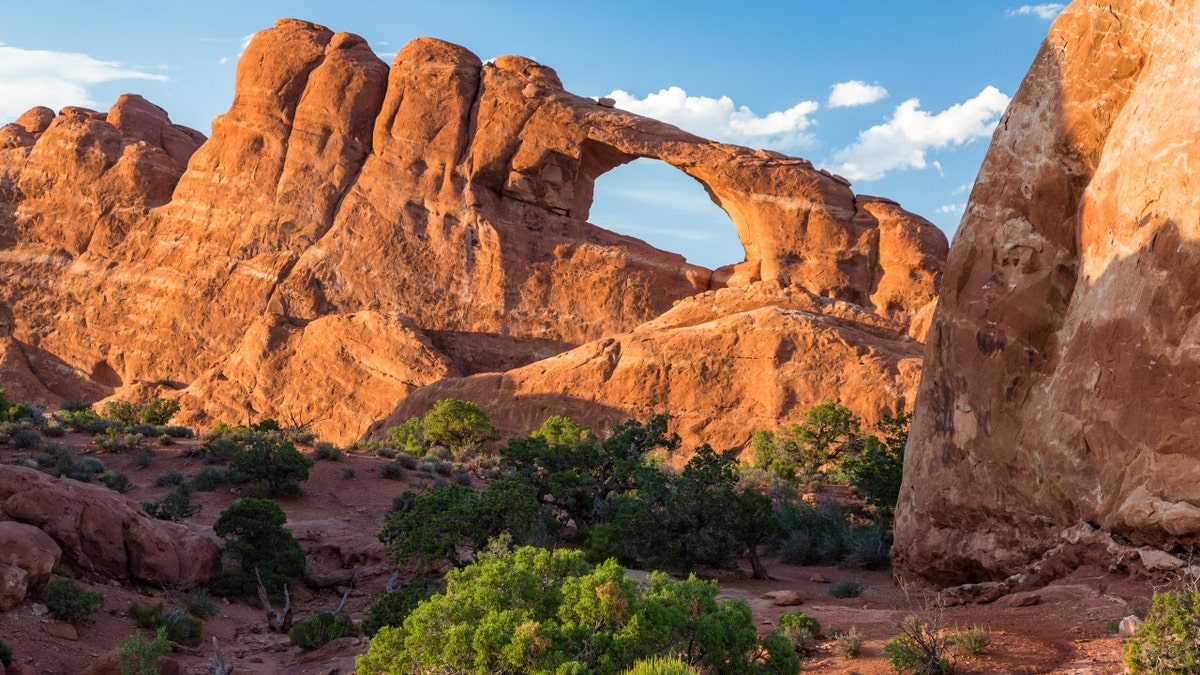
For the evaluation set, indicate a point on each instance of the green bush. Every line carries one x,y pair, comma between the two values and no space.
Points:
800,629
327,451
210,478
320,630
391,471
271,464
170,478
139,656
256,539
348,472
876,468
920,649
848,643
176,507
54,429
68,601
6,654
846,588
180,626
198,603
392,608
1168,641
143,459
828,535
158,411
541,612
116,481
459,426
972,642
662,665
26,438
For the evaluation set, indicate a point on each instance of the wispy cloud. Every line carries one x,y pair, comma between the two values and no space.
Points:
720,119
950,208
1046,11
855,93
905,141
32,77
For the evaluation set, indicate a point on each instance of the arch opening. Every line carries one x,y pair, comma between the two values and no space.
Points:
668,209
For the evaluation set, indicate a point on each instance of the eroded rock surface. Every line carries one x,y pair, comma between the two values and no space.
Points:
352,232
1063,360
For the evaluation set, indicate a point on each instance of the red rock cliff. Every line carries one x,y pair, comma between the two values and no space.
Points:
353,232
1063,360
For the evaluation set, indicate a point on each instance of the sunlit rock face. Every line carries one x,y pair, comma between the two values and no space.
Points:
353,232
1063,361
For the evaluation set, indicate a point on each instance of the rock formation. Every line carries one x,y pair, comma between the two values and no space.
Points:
352,233
101,533
1062,363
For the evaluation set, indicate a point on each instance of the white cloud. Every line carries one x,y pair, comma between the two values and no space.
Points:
950,208
961,189
1046,11
855,93
904,141
33,77
720,119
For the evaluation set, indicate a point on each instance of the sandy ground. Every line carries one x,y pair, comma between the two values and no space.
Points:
336,521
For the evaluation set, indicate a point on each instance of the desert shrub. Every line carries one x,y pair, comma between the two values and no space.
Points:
67,466
846,588
271,464
407,461
26,438
848,643
68,601
143,459
210,478
404,501
44,460
198,603
255,537
176,507
164,440
320,630
158,411
392,608
920,649
462,478
391,471
442,467
348,472
180,626
540,612
971,642
876,468
800,629
828,535
139,656
84,420
92,465
662,665
116,481
169,479
111,441
386,452
326,451
6,654
54,429
1168,641
458,427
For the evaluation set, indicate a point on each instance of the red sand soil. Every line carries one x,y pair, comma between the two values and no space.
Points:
337,520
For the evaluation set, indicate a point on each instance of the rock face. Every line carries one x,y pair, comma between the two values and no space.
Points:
1063,360
101,533
353,232
27,557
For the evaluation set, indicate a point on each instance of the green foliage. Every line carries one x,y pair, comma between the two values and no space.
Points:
409,437
662,665
6,652
139,656
391,471
348,472
878,466
769,455
972,642
255,537
1168,641
536,611
392,608
327,451
271,464
178,625
320,630
54,429
800,629
84,420
920,649
846,588
849,643
210,478
176,507
143,459
561,430
158,411
68,601
26,439
198,603
170,478
116,481
460,426
828,535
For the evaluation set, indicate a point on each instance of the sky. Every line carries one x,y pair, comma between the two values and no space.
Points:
901,98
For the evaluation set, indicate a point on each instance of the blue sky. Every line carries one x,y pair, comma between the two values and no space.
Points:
899,97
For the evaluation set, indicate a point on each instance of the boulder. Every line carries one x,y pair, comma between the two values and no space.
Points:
786,598
27,558
104,534
1062,359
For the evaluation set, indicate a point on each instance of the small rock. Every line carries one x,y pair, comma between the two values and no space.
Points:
38,609
63,631
819,579
1025,600
783,598
1129,626
606,102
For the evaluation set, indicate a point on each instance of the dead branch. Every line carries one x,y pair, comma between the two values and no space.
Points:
217,665
391,584
279,622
